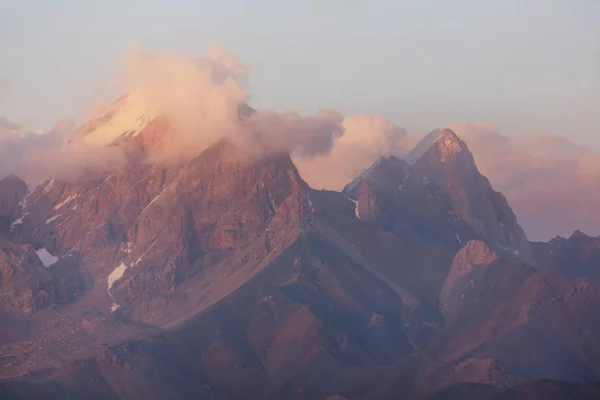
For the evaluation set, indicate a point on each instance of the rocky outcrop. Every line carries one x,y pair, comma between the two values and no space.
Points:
475,254
25,284
507,306
162,224
12,192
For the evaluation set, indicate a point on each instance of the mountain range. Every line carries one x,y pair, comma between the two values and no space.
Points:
226,276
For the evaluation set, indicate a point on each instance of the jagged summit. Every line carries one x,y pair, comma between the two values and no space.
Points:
442,136
439,182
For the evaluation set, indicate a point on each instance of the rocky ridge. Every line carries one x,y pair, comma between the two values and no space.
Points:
227,276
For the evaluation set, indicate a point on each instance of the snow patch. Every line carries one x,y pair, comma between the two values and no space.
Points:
139,260
509,249
114,307
127,117
401,186
116,275
23,203
53,218
46,258
16,223
356,212
459,240
65,201
48,187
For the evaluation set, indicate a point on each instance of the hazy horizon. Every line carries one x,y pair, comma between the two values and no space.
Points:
521,67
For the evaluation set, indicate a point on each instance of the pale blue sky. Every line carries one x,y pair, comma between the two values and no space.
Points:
520,64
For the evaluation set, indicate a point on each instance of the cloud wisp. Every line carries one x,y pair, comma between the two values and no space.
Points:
204,98
364,139
36,155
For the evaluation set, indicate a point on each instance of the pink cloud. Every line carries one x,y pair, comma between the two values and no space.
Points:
550,182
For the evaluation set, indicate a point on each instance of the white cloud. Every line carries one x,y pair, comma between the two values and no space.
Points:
364,139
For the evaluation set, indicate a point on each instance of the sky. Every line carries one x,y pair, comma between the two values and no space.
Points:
523,66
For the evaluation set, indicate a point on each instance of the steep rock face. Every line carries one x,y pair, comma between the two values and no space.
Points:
417,213
12,191
221,216
449,162
414,269
155,226
576,256
312,322
388,194
437,195
508,306
25,284
375,191
474,255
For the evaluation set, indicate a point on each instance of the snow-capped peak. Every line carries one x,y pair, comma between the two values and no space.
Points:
126,118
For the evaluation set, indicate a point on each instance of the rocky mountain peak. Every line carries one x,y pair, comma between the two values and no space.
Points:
447,148
449,163
473,255
437,192
449,145
25,283
443,140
